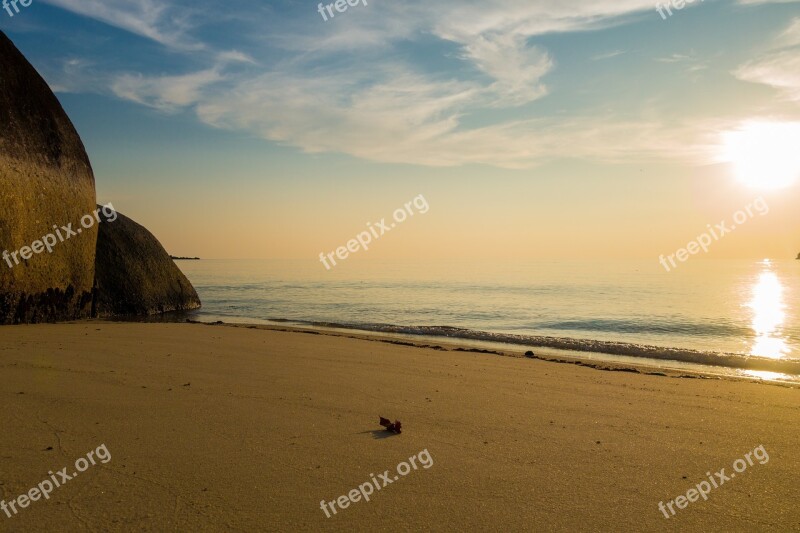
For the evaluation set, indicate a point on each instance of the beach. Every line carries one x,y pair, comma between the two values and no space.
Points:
424,266
248,429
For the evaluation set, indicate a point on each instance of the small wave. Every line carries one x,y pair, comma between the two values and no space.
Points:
651,326
728,360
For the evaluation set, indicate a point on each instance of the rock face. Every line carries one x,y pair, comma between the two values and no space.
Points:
135,275
45,180
46,186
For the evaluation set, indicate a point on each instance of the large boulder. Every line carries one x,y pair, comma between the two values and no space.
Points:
49,223
45,181
135,275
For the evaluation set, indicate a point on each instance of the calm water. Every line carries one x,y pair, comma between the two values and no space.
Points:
740,307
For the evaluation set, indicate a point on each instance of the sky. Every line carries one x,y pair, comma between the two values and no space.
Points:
534,129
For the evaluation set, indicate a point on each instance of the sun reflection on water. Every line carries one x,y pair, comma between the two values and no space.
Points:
768,314
768,376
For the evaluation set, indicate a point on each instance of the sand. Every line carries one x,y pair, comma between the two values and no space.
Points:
214,428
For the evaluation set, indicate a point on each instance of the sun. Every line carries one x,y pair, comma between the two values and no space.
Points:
764,155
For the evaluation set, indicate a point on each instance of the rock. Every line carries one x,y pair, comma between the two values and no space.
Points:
529,354
46,184
45,180
135,275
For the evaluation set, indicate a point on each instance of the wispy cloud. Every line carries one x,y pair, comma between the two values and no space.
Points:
779,69
167,93
407,118
517,70
146,18
790,36
608,55
394,113
676,58
329,87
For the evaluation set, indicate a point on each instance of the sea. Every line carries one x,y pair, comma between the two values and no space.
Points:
723,317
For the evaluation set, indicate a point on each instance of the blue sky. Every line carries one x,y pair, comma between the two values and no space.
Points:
257,129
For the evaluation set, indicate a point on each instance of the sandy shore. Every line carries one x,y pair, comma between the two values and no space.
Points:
233,429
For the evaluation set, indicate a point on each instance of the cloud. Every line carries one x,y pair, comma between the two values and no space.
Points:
608,55
393,113
516,69
790,36
234,56
167,93
146,18
344,87
75,76
779,69
676,58
405,118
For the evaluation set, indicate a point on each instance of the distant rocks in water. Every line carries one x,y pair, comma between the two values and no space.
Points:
45,180
174,258
135,274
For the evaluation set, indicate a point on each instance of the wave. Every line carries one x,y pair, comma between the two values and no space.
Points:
728,360
653,326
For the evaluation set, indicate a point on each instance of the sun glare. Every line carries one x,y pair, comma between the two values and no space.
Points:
764,155
769,315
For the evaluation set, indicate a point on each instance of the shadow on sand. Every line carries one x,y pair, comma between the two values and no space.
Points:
379,433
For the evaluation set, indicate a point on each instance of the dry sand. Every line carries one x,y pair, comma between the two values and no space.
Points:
233,429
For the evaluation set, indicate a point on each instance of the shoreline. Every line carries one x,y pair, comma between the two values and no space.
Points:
717,366
595,360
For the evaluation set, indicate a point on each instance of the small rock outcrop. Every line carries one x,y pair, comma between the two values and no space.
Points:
45,180
135,275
